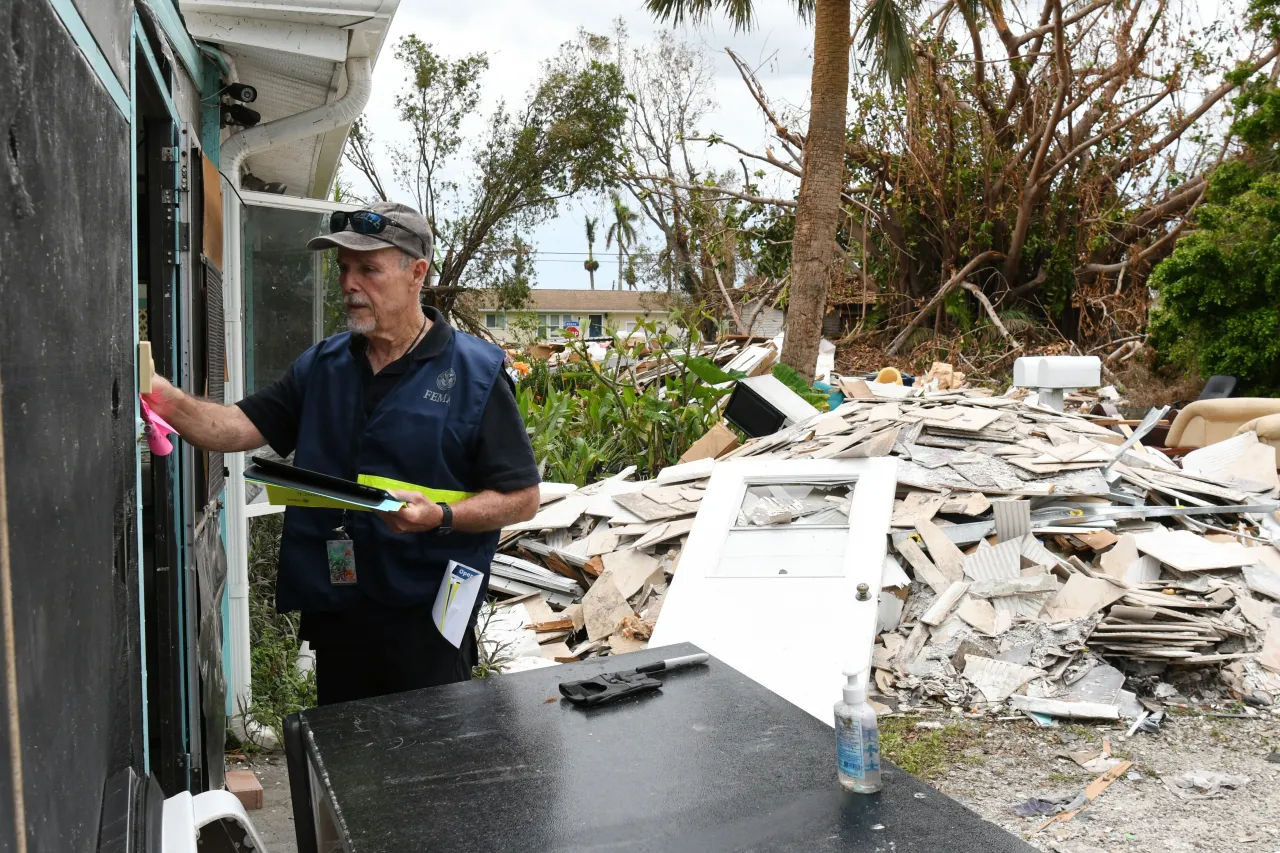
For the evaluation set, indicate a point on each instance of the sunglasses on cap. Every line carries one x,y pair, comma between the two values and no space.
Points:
367,222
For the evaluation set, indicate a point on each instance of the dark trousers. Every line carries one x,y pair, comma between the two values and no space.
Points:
375,651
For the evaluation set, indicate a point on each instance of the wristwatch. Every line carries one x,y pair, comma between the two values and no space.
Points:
446,520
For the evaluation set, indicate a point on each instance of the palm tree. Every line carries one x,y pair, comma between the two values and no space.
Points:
813,246
591,264
623,230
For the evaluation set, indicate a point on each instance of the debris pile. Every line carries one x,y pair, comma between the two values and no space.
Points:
1037,561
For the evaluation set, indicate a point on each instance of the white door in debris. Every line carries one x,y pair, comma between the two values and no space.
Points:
769,579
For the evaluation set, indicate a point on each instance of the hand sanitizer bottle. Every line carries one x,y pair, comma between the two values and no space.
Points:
857,739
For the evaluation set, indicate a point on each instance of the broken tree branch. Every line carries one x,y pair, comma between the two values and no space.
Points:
991,312
964,273
783,133
728,301
702,188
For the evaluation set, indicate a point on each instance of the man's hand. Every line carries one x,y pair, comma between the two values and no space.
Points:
487,510
203,423
163,398
418,515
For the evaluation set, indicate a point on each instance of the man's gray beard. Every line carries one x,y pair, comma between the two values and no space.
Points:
362,325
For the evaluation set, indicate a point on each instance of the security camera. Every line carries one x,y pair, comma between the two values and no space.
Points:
242,92
252,182
239,116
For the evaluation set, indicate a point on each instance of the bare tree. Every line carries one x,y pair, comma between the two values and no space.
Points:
359,153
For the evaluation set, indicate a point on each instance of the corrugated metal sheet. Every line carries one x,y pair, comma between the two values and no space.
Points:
1013,519
1001,562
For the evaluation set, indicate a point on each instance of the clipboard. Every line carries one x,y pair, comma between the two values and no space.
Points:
288,485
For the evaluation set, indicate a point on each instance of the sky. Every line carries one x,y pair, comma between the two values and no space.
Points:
518,35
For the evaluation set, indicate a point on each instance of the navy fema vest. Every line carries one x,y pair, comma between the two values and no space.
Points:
424,433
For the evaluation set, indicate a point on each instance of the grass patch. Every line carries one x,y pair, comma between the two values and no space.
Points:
927,752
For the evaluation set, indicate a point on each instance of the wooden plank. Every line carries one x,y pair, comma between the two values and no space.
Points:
553,625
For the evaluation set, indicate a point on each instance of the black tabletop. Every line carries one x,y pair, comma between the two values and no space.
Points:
712,762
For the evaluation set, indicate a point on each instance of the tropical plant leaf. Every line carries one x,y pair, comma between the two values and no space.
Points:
708,371
886,41
788,376
740,12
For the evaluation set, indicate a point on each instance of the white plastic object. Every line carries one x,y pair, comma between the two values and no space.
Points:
185,815
776,393
1058,371
1053,374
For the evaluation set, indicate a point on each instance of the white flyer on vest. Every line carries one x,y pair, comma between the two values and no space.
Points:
456,600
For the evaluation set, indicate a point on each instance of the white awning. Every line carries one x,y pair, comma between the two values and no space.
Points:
292,52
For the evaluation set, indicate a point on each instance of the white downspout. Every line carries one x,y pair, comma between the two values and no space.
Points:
304,124
234,151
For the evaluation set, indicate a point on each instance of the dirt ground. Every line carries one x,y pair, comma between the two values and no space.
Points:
274,821
991,766
1009,763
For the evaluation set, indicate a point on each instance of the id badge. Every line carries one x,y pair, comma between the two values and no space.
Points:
342,562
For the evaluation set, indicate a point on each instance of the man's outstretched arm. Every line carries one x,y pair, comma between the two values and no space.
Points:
203,423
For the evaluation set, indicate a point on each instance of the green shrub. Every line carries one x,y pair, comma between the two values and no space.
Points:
587,421
1220,289
278,688
1219,309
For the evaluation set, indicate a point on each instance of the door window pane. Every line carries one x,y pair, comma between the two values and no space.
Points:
788,530
291,294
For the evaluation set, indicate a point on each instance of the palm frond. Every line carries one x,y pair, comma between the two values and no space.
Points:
885,40
740,12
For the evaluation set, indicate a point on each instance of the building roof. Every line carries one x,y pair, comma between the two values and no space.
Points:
584,301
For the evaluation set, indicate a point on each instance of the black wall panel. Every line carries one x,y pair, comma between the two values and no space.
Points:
66,374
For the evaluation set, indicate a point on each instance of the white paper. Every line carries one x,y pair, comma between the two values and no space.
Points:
456,601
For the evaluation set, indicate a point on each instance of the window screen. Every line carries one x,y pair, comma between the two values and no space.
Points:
788,530
215,364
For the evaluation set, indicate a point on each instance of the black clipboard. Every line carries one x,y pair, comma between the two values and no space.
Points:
294,486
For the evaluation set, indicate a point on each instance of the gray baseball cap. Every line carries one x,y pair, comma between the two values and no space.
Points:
409,233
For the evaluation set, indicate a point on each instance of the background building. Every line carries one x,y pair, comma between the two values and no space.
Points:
594,313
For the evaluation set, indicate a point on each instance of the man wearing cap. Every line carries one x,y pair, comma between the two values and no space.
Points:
404,402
